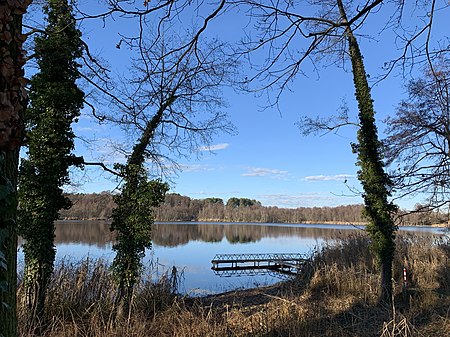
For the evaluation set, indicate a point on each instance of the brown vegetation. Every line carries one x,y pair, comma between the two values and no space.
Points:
182,208
336,296
89,206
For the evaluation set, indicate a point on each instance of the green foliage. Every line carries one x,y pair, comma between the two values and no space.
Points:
218,201
242,202
376,183
132,219
8,200
8,242
55,103
7,205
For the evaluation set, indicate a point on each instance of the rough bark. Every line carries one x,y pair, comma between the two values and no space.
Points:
12,104
8,277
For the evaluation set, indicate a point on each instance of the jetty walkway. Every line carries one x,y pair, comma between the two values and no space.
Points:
250,264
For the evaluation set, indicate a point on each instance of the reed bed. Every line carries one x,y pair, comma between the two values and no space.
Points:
337,295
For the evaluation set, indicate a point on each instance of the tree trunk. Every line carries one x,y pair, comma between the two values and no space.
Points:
132,177
8,244
12,104
372,176
36,290
386,281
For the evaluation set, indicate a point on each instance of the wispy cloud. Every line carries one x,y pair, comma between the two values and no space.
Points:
337,177
104,150
264,172
195,168
307,200
213,193
85,128
215,147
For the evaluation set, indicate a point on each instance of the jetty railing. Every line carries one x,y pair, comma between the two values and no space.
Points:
251,264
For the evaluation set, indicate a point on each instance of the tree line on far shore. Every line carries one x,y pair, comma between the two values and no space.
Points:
183,208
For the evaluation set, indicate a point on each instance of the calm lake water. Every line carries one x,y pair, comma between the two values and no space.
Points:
191,246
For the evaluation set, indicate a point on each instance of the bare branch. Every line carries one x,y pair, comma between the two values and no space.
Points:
324,125
418,141
103,166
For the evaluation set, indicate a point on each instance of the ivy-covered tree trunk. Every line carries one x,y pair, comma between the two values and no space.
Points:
375,182
12,104
133,217
8,242
55,102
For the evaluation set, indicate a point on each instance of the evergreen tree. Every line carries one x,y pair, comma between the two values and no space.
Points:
55,103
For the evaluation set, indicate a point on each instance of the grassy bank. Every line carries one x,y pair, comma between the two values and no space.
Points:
336,296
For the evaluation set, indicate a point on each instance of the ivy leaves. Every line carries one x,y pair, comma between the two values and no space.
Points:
132,219
8,205
55,103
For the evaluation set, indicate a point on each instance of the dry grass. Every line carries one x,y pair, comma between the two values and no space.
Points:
336,297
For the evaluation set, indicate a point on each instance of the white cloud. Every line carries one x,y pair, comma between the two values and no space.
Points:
85,128
215,193
264,172
104,150
337,177
195,168
307,200
216,147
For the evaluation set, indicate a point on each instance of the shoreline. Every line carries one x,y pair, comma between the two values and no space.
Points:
331,223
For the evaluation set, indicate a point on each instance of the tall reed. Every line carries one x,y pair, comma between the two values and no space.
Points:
335,296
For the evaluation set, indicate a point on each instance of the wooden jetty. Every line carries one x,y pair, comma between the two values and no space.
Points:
249,264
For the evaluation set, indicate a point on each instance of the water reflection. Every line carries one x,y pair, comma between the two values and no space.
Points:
191,246
176,234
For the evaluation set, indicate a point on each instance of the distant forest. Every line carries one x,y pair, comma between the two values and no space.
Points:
182,208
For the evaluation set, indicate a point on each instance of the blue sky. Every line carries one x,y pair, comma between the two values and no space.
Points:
268,159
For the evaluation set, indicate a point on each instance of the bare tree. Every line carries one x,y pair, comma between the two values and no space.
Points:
419,40
13,102
154,45
418,142
170,105
176,94
291,34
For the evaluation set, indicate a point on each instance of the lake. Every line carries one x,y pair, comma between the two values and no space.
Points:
191,246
